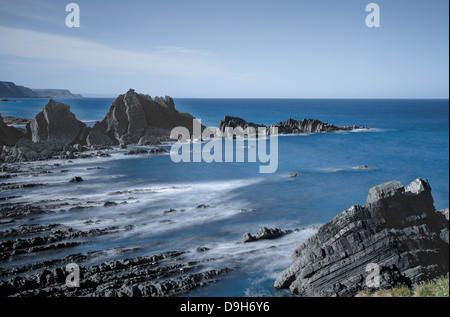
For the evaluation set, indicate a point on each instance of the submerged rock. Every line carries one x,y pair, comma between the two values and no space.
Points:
398,233
76,179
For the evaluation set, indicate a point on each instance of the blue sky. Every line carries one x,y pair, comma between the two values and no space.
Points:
236,49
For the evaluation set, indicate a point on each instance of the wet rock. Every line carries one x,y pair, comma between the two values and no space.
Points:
76,179
202,206
158,151
159,275
137,152
110,204
263,233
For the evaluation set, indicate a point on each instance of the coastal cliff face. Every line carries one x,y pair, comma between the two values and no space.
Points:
398,230
138,119
11,90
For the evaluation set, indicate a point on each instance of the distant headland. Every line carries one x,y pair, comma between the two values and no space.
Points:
11,90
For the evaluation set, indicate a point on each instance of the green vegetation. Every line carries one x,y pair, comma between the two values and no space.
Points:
434,288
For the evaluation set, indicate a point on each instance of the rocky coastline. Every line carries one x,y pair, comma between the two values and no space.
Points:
398,232
133,119
398,229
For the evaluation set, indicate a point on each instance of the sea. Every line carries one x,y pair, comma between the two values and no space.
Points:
408,139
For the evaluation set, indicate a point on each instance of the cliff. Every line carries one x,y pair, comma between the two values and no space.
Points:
11,90
398,233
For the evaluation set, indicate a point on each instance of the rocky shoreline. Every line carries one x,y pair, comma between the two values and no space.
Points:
398,229
133,119
34,253
398,232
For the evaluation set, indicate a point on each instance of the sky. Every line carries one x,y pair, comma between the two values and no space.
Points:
229,48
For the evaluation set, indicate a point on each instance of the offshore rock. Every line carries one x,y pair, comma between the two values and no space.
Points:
398,231
56,124
138,119
290,126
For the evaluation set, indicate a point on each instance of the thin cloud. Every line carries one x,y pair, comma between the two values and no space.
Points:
182,50
94,56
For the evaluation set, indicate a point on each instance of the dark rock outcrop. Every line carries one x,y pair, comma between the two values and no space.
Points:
138,119
159,275
289,126
398,231
292,126
56,124
263,234
235,122
52,132
8,135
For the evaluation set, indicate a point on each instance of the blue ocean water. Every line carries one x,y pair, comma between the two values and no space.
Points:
409,139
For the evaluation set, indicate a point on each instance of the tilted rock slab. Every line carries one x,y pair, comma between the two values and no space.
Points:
55,123
398,232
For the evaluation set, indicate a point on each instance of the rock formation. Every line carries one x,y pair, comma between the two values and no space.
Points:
55,132
56,124
263,234
289,126
235,122
398,232
8,135
138,119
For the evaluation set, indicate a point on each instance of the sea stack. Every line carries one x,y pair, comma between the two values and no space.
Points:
398,232
139,119
55,123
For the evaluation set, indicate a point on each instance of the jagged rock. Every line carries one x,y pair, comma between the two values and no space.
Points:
136,151
76,179
27,150
263,233
56,124
138,119
235,122
8,135
158,151
151,276
398,230
289,126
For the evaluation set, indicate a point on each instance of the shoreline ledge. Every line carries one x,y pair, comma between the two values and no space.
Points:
398,231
